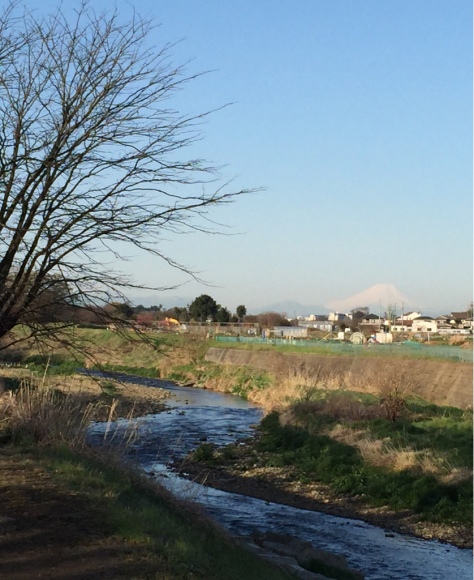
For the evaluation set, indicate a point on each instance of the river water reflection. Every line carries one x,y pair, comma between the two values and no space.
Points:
195,414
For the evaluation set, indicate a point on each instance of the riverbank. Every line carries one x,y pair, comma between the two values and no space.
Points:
338,450
242,369
110,398
440,382
69,509
71,514
282,486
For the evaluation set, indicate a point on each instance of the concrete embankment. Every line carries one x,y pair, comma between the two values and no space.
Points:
442,383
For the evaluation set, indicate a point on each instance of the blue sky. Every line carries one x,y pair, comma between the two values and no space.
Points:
356,118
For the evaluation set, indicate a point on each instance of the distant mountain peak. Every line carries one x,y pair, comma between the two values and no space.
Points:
373,297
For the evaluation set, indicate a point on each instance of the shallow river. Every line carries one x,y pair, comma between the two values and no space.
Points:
196,414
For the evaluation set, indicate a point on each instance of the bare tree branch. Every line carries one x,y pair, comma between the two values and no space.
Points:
91,154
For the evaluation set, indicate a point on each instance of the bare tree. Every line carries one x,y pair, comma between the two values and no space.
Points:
271,319
91,154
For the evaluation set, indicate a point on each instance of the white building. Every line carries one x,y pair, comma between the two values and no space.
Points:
425,324
334,316
410,316
318,324
384,337
402,326
290,331
450,331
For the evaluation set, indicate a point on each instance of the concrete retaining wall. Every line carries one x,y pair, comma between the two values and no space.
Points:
442,383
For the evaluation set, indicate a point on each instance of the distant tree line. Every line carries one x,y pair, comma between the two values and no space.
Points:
202,309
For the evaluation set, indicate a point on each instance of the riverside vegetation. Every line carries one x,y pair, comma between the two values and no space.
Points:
121,524
392,452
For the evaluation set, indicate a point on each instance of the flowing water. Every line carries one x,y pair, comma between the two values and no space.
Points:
195,415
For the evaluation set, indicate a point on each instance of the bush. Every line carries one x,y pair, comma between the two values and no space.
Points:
247,381
204,453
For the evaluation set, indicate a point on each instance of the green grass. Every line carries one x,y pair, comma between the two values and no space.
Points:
447,434
423,425
128,349
318,457
237,380
53,365
247,380
177,541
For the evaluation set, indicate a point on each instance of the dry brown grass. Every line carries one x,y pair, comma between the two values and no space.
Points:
382,453
299,383
392,383
457,475
223,383
340,406
52,410
44,415
38,414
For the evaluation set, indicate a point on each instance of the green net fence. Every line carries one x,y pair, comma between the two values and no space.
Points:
402,350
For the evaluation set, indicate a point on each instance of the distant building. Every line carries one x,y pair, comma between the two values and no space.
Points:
335,316
371,319
454,316
410,315
442,326
402,326
290,331
325,325
424,324
451,331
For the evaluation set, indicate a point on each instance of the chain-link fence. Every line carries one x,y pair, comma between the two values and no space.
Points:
403,350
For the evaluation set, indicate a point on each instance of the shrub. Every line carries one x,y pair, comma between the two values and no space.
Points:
204,453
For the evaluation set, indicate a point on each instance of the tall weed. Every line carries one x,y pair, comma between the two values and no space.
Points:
45,416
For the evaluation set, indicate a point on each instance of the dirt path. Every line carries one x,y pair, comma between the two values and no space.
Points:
49,532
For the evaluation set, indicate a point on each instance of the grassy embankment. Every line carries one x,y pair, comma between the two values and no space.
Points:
387,447
421,462
327,431
165,356
155,535
159,538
